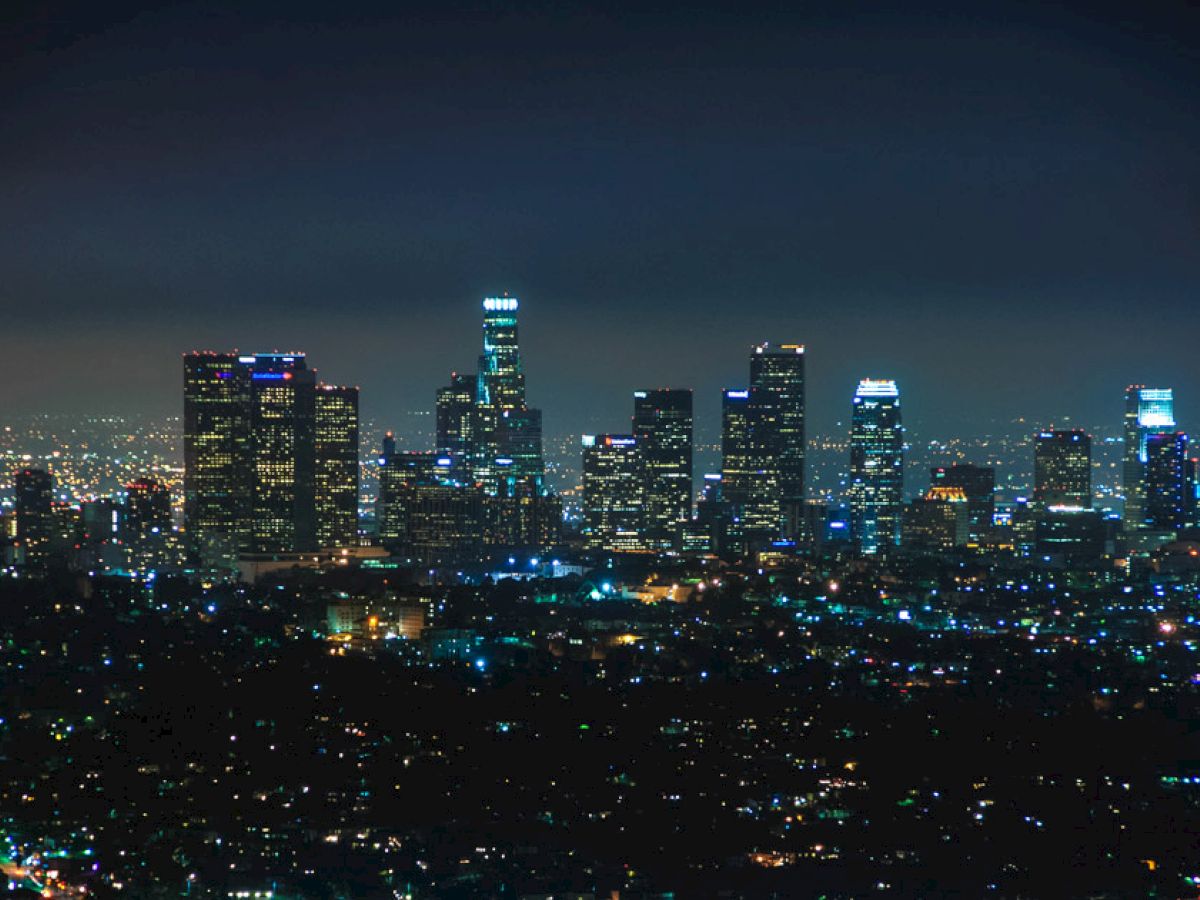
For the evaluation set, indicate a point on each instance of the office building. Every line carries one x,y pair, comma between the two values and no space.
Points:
1148,411
614,492
283,445
147,507
34,518
507,443
1167,504
662,423
337,466
251,456
777,380
978,485
218,463
1063,469
876,485
938,521
749,469
456,416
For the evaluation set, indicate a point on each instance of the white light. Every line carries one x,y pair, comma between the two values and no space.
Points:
870,387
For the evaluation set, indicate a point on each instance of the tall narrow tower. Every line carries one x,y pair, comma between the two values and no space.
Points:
876,465
1148,411
662,423
508,445
777,376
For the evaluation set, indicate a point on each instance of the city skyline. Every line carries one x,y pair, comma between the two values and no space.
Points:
709,449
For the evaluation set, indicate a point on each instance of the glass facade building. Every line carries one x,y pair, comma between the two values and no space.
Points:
876,484
1062,470
614,492
1148,411
777,380
662,423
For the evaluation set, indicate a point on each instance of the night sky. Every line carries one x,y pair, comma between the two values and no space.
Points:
996,205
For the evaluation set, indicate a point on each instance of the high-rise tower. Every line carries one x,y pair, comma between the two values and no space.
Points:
337,472
1063,469
749,468
283,433
1148,411
456,416
662,423
218,481
34,519
614,491
508,440
876,465
251,456
1167,505
777,375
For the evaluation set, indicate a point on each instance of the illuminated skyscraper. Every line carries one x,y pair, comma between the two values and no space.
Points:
662,423
218,481
777,377
283,440
749,468
1063,469
456,415
1167,504
34,519
1148,411
337,472
876,465
938,521
978,484
250,454
508,438
614,491
147,507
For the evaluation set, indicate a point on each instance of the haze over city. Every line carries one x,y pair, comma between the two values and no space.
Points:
566,450
995,205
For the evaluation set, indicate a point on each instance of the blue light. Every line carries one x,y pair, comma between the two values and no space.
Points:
268,376
481,664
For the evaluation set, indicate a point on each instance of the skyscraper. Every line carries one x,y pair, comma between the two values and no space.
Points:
34,519
403,499
876,465
456,415
218,480
1063,469
614,490
283,433
1166,481
777,378
508,438
337,472
978,484
250,454
147,507
1148,411
749,469
662,423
